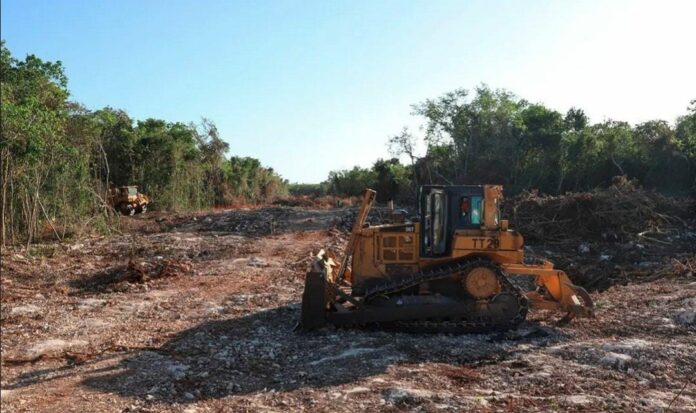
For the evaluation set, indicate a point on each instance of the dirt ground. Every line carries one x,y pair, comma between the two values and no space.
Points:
195,313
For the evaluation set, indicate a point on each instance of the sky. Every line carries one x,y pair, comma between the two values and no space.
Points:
309,87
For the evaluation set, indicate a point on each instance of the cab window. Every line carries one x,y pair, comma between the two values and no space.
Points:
470,210
476,210
464,210
439,238
427,225
497,213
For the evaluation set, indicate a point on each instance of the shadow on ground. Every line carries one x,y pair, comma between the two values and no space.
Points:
261,352
99,281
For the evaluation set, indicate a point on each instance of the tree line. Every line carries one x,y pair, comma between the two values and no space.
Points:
493,136
59,158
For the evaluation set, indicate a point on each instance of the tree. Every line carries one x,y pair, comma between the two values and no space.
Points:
392,180
539,159
59,158
492,136
34,95
481,132
685,140
351,182
117,139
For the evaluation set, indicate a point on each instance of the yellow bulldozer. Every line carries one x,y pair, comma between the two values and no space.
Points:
127,200
456,268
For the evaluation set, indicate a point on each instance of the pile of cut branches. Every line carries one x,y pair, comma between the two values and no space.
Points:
619,213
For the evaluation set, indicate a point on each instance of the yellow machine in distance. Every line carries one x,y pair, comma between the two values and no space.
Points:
458,268
127,200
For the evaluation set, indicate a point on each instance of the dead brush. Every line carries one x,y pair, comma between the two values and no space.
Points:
616,214
685,267
144,271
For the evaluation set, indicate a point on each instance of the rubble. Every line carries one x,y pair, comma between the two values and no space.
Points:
53,345
90,303
25,310
402,396
257,262
323,202
199,316
378,215
616,360
686,317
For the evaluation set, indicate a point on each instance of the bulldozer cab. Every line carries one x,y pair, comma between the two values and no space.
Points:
445,209
123,192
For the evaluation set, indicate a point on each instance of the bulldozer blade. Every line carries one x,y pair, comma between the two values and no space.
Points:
575,300
587,306
584,308
313,311
561,295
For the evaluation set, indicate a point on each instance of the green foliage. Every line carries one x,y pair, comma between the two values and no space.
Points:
389,178
351,182
685,140
33,148
59,158
392,179
492,136
251,181
316,190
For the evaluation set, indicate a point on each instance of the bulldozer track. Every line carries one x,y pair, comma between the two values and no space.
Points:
476,323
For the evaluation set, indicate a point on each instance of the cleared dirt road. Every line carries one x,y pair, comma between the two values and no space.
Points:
196,315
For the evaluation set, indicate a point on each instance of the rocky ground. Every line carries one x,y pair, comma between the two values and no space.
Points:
195,313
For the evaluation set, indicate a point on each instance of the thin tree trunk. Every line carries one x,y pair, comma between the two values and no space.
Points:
5,175
560,183
65,223
617,165
28,218
415,175
48,219
466,159
106,163
13,235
